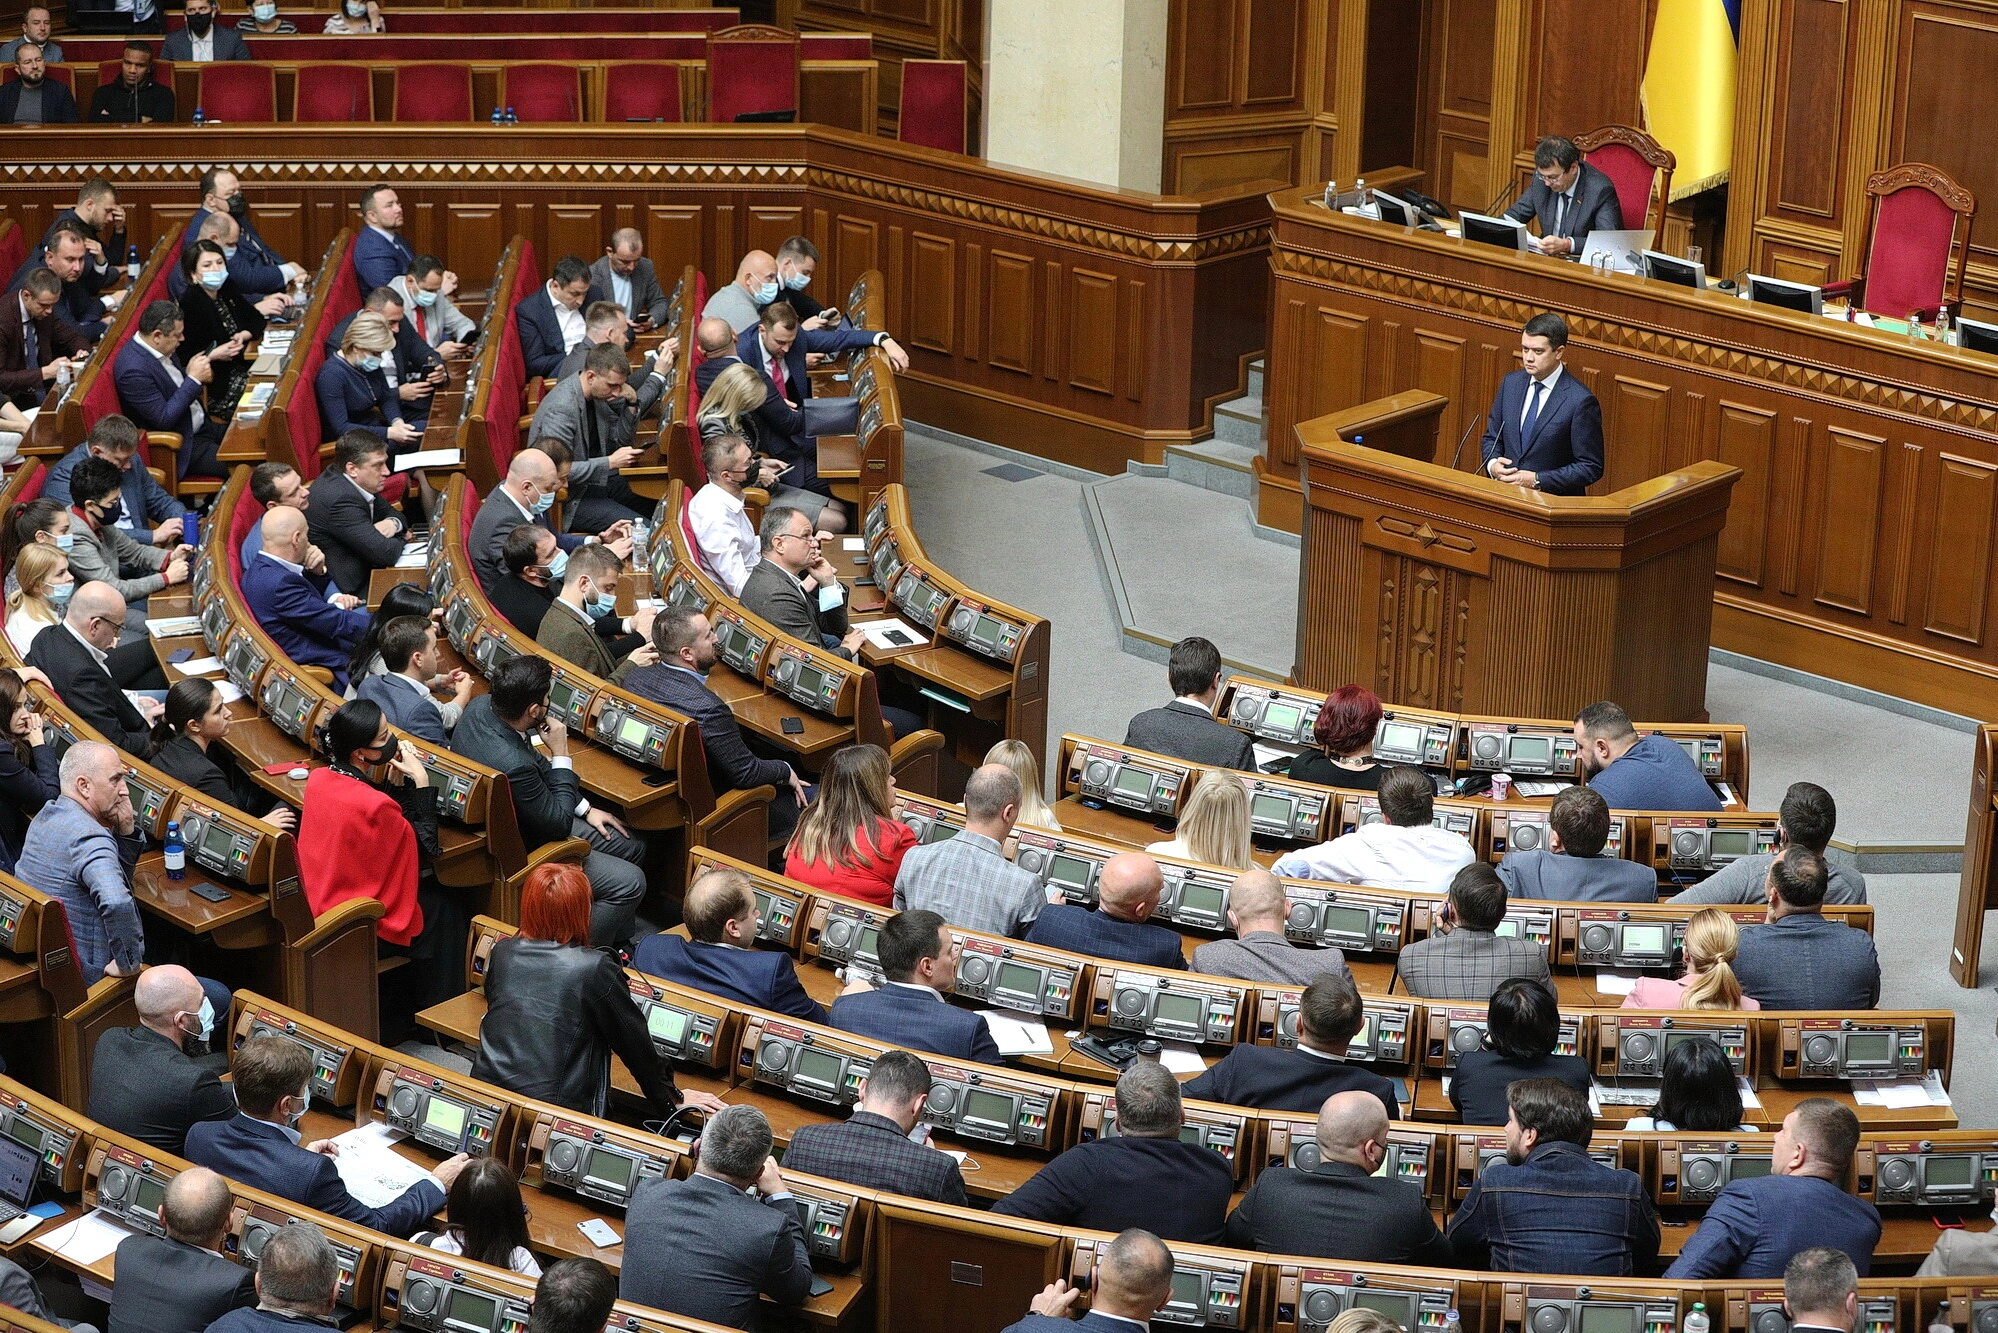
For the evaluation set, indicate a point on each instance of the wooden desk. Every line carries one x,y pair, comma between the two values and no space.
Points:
1782,1098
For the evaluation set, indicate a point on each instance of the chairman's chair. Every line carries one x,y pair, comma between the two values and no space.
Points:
1920,218
1639,168
752,70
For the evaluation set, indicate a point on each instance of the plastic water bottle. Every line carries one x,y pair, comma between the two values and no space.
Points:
62,376
640,539
1452,1321
176,852
511,118
499,117
200,118
133,263
1696,1320
1360,188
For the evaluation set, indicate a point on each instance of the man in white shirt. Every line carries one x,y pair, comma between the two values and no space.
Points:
724,534
426,292
202,40
550,318
1402,851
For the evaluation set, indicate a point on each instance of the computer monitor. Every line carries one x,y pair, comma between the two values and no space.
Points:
1977,336
1502,232
1789,295
1394,210
1682,272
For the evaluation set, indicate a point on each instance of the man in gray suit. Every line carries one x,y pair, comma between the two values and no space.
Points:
402,692
1569,197
609,322
1259,951
596,414
795,588
180,1283
702,1247
626,276
532,479
1572,866
1802,959
1186,727
1467,958
1805,819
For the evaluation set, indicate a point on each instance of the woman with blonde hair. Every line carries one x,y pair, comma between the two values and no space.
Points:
42,595
1214,828
354,395
1711,943
848,841
1363,1321
1034,809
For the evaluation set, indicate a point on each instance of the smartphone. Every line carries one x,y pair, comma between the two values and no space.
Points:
214,893
190,528
793,726
179,655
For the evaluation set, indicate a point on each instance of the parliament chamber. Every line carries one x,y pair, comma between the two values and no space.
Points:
1038,293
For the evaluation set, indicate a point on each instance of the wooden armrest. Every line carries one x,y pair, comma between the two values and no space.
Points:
323,675
157,474
914,763
755,497
339,918
572,851
163,450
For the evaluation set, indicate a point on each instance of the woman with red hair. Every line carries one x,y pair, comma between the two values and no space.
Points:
1345,735
556,1008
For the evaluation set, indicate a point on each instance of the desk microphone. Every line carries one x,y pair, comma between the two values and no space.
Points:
1734,283
1511,188
1462,441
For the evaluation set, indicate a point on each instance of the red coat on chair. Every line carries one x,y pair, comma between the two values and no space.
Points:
355,842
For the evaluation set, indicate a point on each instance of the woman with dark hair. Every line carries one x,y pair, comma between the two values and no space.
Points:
28,775
485,1219
1345,735
365,839
556,1008
1700,1091
1521,1029
184,748
848,840
220,321
43,520
402,599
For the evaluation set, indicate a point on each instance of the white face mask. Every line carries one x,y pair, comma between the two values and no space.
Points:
304,1100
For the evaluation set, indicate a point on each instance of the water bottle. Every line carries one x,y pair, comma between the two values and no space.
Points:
1452,1322
1331,194
511,118
1696,1321
62,377
499,117
176,852
200,118
640,538
1360,188
133,263
1942,326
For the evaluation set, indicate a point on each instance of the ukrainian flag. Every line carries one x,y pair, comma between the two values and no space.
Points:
1689,89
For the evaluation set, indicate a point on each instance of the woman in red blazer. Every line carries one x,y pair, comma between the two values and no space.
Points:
849,840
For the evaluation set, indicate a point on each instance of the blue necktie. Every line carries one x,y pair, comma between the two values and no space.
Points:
1532,413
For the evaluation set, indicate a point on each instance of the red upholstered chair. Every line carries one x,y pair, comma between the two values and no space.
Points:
933,104
333,94
13,246
641,90
543,92
238,91
751,68
60,73
431,94
1637,166
1920,217
110,71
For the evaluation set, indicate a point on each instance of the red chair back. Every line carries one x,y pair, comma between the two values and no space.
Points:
932,105
333,94
641,90
751,68
543,92
433,94
249,512
111,71
1907,268
467,512
238,91
60,73
509,395
101,399
30,489
13,246
1632,176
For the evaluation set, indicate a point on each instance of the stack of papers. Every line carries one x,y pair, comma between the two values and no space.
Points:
1903,1093
89,1238
892,633
414,556
1182,1058
1017,1036
429,458
371,1169
1749,1100
1614,983
174,627
199,666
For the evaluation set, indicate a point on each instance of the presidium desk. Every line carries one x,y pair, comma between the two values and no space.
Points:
1859,540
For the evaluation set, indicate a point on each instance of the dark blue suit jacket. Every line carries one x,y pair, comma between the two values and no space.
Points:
150,397
1807,960
781,418
1083,930
258,1154
255,268
378,259
540,336
1047,1323
354,399
765,978
920,1022
414,712
293,610
229,44
1175,1190
1279,1079
1755,1227
1566,447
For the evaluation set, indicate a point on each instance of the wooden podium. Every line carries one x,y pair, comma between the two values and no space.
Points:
1443,589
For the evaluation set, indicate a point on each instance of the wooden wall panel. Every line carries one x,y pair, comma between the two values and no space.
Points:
1848,511
1807,181
1440,368
576,229
1747,440
473,238
770,227
1960,569
1637,414
1589,75
1240,105
1201,57
1010,343
1091,314
674,237
1460,58
933,272
1942,99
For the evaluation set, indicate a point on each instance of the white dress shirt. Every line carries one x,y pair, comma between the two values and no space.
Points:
1546,397
173,369
202,48
569,321
725,535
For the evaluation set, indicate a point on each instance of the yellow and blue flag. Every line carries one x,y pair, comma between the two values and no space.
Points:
1689,89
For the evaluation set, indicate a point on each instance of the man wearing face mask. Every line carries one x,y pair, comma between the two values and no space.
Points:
255,268
527,494
595,413
261,1147
286,588
157,1083
589,593
203,40
797,262
755,286
426,292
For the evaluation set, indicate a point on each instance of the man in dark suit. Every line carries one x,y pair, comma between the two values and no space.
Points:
202,39
381,255
285,588
1336,1207
550,317
358,530
594,414
1120,927
51,100
1754,1226
1469,959
402,690
679,680
547,797
919,959
65,254
158,395
260,1148
626,276
573,1296
721,956
872,1147
1568,197
1545,430
34,343
1300,1078
1572,866
702,1246
1133,1281
716,341
1821,1288
1142,1172
1186,728
153,1090
525,496
72,655
179,1282
529,556
1802,959
1260,951
298,1285
98,217
255,268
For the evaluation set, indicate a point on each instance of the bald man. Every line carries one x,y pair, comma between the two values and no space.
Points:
740,302
147,1081
1133,1281
77,657
287,589
720,956
1260,951
1329,1203
1127,893
525,496
179,1282
80,849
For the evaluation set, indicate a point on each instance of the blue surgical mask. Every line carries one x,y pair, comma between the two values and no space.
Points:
263,13
66,542
214,278
600,606
797,282
228,252
559,565
767,292
355,11
542,505
425,298
60,593
371,363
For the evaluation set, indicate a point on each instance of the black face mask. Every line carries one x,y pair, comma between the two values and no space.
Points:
199,24
391,750
239,205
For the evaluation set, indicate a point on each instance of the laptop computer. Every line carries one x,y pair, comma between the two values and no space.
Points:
1624,248
19,1165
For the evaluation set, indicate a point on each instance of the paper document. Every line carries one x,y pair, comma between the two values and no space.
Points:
414,556
1726,793
1182,1058
1017,1036
86,1240
892,633
174,627
1903,1093
200,666
229,691
853,544
257,397
429,458
267,365
1538,788
1748,1098
1614,983
372,1171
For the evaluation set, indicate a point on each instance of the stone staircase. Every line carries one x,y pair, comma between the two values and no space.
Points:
1225,463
